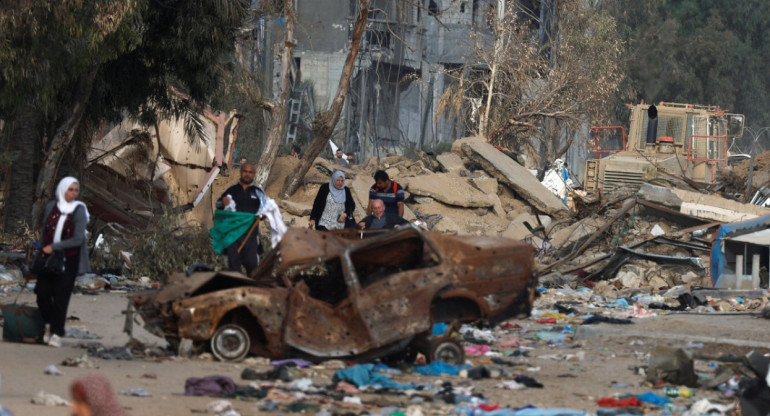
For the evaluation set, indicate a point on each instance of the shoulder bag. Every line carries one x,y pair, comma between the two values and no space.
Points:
50,264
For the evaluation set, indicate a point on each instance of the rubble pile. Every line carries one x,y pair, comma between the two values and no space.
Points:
608,264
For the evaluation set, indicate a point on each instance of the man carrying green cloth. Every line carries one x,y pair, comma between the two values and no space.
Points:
235,222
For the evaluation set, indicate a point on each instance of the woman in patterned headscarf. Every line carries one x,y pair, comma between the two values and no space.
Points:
333,204
64,228
93,396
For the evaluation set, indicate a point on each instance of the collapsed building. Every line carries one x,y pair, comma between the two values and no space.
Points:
136,172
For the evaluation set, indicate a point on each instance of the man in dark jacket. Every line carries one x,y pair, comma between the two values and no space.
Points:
380,219
246,197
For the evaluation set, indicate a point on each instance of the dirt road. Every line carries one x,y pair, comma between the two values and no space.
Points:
603,361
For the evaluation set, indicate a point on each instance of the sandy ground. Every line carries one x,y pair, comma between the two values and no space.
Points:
574,374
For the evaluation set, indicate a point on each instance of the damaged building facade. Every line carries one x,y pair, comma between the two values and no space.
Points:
398,76
163,162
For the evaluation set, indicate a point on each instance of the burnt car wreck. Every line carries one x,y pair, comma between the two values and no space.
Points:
321,295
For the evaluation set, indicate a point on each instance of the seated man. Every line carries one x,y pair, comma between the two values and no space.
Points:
379,219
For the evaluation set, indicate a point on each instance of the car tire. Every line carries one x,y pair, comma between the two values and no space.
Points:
446,350
231,342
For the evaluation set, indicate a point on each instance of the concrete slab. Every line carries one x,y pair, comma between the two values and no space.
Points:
451,162
449,189
458,144
359,187
659,195
716,208
518,231
507,171
489,187
448,226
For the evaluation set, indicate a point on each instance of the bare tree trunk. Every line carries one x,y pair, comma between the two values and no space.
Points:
280,110
59,144
323,123
25,137
484,119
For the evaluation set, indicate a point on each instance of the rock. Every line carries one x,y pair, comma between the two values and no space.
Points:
449,189
295,208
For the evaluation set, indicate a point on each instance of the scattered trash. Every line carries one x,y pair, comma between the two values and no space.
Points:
48,399
138,392
52,370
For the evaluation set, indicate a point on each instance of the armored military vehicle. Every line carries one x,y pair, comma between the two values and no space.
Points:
678,139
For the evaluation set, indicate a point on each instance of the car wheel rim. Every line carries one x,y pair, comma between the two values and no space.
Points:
448,352
231,343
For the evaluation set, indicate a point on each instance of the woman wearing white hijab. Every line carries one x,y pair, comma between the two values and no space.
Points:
333,204
64,228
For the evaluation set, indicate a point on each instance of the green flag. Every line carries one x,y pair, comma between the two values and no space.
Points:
228,227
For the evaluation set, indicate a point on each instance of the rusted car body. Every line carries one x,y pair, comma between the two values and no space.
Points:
321,294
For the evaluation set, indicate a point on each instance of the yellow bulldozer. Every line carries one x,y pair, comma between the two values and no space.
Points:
663,140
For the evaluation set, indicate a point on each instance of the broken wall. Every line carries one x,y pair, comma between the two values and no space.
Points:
176,166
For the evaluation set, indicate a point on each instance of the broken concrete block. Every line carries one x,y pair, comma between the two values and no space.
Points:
393,172
518,231
328,168
716,213
486,185
449,189
629,279
574,232
446,225
451,162
657,282
690,277
490,187
657,230
659,195
359,187
605,289
294,208
506,170
715,208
